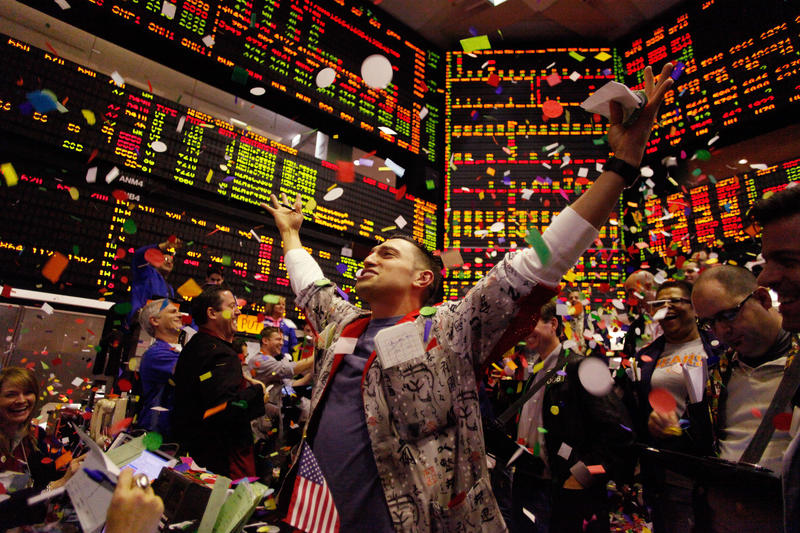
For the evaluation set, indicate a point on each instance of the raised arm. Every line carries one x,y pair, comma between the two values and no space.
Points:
628,144
288,220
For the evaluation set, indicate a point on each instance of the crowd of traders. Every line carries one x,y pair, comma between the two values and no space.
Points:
516,407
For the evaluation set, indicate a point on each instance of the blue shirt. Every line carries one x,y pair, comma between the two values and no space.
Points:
147,283
342,446
158,362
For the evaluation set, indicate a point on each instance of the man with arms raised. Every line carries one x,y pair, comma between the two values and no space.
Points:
397,433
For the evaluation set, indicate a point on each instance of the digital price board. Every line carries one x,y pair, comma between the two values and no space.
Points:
143,135
741,74
710,216
271,51
98,233
519,149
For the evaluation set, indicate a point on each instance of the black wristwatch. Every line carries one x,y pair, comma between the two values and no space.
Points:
628,172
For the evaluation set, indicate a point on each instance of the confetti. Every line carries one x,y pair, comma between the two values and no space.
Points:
9,174
55,267
112,175
662,401
376,71
472,44
595,377
394,167
576,56
119,81
534,238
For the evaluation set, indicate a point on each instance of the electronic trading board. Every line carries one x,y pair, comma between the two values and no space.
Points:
741,75
710,216
271,51
200,187
519,150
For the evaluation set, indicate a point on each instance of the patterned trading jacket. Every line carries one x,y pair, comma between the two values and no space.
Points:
422,415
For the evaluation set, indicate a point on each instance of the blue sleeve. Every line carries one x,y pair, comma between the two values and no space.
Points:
292,342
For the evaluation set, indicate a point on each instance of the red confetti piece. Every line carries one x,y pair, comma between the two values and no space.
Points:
93,155
120,195
755,412
662,401
57,361
172,239
124,385
149,86
46,460
647,359
50,46
121,253
782,421
154,256
119,426
400,193
345,171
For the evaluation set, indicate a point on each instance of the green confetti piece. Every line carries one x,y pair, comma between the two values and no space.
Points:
271,298
239,75
541,430
241,404
76,249
226,260
696,172
712,179
471,44
576,56
598,142
703,155
430,184
129,227
427,311
534,238
536,449
122,308
152,441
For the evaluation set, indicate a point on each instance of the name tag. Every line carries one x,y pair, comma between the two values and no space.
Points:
398,344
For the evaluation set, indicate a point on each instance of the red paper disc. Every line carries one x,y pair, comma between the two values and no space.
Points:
154,256
662,401
782,421
124,385
120,195
552,109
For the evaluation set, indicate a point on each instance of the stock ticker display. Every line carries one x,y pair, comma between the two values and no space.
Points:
111,131
281,46
737,77
519,150
709,216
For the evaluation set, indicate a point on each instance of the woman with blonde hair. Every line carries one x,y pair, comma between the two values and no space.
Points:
27,456
274,312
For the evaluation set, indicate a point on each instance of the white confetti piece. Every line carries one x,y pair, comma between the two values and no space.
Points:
181,122
397,169
63,4
400,222
497,226
564,451
325,77
423,113
48,309
258,91
168,10
158,146
595,377
118,79
583,172
574,76
112,175
333,194
208,40
347,251
91,175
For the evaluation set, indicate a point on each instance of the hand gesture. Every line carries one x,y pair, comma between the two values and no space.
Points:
286,218
133,509
662,425
628,142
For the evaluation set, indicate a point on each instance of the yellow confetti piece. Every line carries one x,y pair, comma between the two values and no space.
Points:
208,176
490,171
603,56
190,289
538,366
554,409
332,187
9,174
205,376
388,228
73,193
88,115
226,314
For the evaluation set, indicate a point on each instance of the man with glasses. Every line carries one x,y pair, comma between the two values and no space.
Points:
729,302
214,400
661,366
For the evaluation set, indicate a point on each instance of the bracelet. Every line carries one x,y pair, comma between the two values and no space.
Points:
628,172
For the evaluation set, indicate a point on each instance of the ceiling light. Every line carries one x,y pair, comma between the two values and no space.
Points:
496,2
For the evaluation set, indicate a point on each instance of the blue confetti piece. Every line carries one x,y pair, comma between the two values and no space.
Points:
561,373
41,102
677,70
606,72
229,179
428,324
626,428
473,31
499,90
343,294
341,268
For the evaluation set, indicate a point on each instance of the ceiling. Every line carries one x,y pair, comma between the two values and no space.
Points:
445,22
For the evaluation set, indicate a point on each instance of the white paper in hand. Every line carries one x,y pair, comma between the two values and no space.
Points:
398,344
599,102
695,377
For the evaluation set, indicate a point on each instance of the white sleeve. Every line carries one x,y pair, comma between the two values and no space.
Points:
303,270
568,236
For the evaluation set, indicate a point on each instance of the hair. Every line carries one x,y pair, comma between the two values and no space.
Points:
648,277
681,284
213,269
780,205
268,308
210,297
269,330
151,309
238,344
26,379
736,280
548,313
435,291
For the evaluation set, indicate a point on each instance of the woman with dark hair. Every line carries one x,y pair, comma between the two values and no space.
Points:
27,456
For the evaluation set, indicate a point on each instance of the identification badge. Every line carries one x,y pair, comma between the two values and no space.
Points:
398,344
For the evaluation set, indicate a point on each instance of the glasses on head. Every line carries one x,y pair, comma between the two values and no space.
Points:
658,304
726,315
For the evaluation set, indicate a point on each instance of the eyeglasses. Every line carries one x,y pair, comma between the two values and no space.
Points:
657,304
726,315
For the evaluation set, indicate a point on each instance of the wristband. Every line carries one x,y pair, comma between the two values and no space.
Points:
628,172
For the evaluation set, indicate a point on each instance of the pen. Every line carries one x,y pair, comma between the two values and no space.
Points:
100,477
292,209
